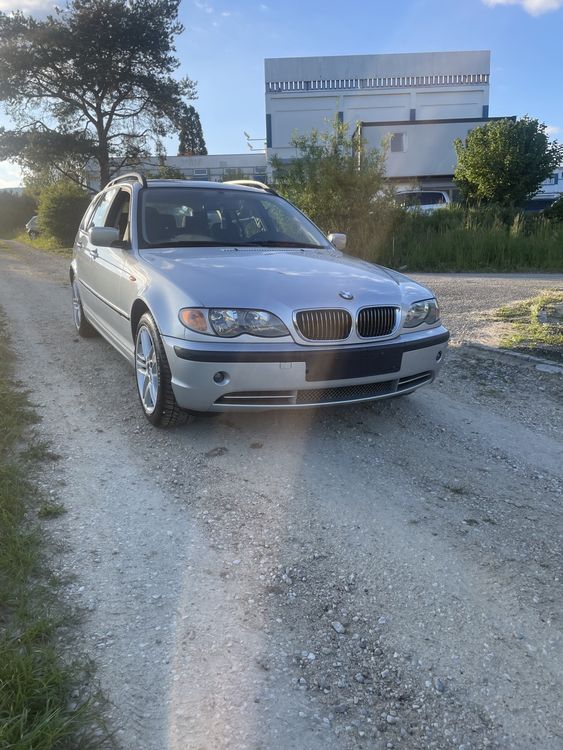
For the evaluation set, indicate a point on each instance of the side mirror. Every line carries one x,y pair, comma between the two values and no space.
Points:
103,236
338,240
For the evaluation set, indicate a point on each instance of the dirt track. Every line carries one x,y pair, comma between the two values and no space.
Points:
384,576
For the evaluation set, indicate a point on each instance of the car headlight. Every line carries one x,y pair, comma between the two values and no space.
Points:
231,322
425,311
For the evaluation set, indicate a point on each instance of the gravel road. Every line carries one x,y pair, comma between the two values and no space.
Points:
379,577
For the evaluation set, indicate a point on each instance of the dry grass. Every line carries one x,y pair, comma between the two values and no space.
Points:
528,333
47,701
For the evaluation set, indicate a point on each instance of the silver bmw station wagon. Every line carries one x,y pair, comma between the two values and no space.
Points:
223,296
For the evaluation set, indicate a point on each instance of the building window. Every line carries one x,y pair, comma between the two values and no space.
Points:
553,180
200,172
397,142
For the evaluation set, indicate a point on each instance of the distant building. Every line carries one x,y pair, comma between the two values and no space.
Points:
417,103
550,191
553,186
217,168
414,104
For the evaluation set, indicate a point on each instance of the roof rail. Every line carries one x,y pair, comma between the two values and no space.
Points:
252,183
130,175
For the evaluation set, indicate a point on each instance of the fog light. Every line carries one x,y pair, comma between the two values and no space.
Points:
221,378
439,356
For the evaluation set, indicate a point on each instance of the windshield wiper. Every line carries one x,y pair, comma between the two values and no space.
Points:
190,243
278,243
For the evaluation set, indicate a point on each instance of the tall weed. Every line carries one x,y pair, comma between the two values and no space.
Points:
458,239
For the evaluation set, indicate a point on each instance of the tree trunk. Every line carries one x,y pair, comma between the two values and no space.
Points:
103,155
103,161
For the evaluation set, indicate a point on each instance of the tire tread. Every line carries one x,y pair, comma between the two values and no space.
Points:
171,415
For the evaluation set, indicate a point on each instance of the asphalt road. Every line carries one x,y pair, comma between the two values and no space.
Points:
383,576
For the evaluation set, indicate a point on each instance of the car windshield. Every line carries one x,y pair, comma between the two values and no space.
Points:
211,217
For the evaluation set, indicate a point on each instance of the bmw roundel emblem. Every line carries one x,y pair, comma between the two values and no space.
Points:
346,295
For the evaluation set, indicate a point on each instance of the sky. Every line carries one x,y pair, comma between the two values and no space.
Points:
225,43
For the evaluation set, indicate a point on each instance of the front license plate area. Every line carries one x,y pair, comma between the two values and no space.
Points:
349,364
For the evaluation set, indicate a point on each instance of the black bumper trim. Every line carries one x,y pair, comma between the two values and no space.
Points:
308,355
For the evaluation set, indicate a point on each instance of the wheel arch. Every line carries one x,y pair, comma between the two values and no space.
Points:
138,309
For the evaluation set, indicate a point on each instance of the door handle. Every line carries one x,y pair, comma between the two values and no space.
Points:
93,253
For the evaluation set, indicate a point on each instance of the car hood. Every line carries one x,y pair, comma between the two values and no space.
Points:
268,279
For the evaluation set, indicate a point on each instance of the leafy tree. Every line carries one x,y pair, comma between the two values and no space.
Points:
331,183
61,207
192,142
94,81
46,156
505,161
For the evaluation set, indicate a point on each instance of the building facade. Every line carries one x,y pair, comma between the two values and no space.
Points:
214,167
413,105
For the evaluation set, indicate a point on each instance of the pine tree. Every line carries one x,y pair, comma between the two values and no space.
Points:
192,142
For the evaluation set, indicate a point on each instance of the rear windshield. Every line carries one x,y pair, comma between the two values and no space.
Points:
195,217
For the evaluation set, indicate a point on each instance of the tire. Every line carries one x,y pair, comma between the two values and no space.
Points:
152,374
83,327
33,235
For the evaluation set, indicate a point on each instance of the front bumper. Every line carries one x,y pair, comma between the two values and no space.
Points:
213,377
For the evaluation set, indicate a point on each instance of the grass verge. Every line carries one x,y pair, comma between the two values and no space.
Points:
528,333
47,701
47,244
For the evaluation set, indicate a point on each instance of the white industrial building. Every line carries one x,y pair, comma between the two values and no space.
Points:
416,104
553,186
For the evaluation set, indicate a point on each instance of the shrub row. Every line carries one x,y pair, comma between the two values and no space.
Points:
15,212
456,238
61,207
460,239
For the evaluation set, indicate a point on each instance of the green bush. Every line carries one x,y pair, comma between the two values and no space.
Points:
341,192
330,183
61,206
15,212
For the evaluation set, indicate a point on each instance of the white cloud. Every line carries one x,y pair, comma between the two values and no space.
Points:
533,7
10,175
31,6
202,5
552,130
